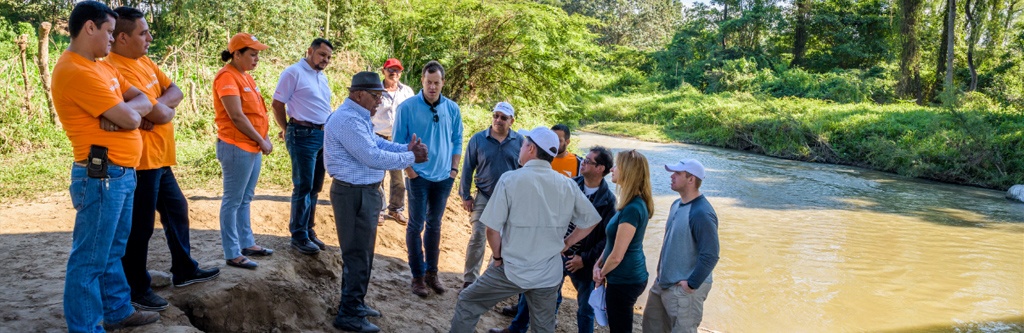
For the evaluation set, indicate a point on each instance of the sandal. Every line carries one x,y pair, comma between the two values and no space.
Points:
261,252
244,263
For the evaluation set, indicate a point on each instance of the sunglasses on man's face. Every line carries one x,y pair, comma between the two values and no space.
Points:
393,70
589,161
501,116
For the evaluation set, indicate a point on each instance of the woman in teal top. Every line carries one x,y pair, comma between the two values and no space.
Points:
623,265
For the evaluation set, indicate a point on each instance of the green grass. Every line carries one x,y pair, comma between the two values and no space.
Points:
976,144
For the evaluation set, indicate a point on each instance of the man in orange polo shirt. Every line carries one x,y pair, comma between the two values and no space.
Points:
157,188
565,162
91,97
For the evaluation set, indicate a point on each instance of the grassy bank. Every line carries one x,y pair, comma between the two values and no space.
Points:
976,144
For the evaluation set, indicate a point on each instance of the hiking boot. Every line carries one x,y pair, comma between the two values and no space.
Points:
201,275
306,247
319,243
398,217
138,318
418,287
434,283
150,301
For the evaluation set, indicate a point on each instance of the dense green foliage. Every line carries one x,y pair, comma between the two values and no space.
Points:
978,145
805,79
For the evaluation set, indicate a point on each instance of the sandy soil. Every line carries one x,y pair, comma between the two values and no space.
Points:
289,292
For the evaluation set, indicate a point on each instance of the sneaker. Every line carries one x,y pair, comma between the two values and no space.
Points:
366,311
201,275
138,318
150,302
508,311
318,242
394,214
306,247
355,324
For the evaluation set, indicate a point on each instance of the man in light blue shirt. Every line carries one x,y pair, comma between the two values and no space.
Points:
356,158
438,122
303,93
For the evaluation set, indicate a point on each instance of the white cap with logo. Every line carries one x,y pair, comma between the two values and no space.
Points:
506,108
544,137
689,165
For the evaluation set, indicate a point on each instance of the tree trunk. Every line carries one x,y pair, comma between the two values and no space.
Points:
22,48
973,29
44,68
803,19
940,58
910,58
950,25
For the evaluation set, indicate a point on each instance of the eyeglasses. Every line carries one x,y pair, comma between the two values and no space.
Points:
589,161
393,70
501,116
377,95
432,109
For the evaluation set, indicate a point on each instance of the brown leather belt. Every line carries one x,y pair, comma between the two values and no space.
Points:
305,124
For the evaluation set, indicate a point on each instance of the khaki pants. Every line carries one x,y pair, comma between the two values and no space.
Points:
674,310
477,240
493,287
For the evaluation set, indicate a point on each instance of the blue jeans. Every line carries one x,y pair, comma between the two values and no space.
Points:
241,171
427,201
95,289
585,314
306,147
157,191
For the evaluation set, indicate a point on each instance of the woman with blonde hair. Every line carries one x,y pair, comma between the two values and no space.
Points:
623,265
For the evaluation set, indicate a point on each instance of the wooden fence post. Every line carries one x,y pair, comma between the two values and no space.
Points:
43,60
22,48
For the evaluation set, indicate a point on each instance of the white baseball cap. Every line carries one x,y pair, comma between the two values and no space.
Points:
689,165
544,137
506,108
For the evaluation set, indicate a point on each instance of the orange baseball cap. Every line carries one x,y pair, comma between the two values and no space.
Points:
243,40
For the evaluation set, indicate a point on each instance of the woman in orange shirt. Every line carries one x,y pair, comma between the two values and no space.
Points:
242,125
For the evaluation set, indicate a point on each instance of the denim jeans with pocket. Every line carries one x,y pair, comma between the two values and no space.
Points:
241,171
95,289
306,147
427,201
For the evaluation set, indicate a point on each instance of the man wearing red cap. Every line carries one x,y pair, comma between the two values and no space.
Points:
383,121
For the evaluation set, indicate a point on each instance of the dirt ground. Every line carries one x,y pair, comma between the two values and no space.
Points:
289,292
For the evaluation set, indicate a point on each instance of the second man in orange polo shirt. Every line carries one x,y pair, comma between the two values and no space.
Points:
157,189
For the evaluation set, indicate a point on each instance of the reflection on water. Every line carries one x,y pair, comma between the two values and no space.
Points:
825,248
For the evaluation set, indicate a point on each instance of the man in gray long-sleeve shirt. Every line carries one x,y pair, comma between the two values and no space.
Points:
490,154
691,247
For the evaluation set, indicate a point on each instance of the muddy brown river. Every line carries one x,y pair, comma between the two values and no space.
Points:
827,248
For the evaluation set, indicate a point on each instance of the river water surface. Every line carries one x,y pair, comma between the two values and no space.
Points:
826,248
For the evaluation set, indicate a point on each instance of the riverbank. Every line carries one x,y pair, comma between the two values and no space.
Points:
978,144
289,292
